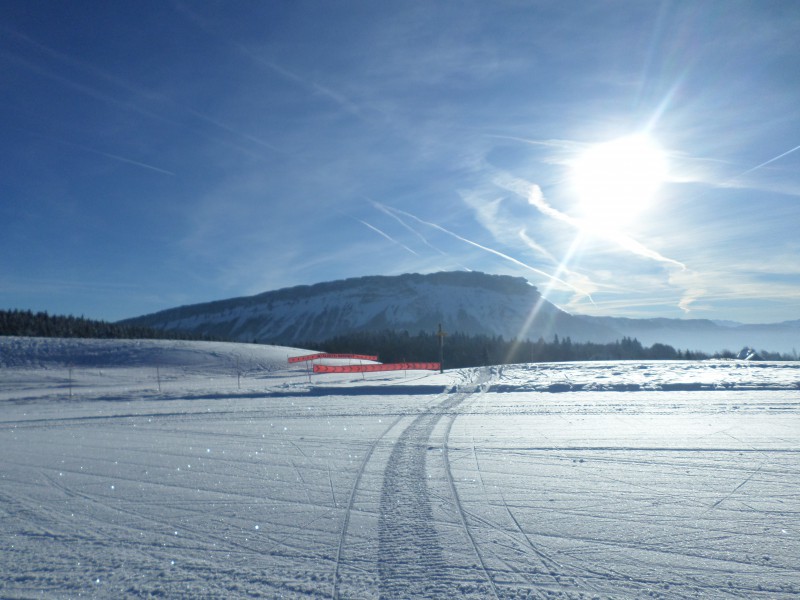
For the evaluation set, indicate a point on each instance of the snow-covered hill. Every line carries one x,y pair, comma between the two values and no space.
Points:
464,302
470,303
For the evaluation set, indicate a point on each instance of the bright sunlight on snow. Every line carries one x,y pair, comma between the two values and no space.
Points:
209,470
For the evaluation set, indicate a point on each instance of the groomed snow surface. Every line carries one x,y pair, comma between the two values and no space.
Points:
205,470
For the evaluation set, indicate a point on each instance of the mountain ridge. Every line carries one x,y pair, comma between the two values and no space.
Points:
467,302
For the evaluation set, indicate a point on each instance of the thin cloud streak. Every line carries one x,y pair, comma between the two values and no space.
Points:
530,243
317,88
116,157
490,250
339,99
419,235
771,160
489,215
144,96
740,180
408,227
127,160
537,200
386,235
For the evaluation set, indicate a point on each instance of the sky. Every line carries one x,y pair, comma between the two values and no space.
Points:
629,158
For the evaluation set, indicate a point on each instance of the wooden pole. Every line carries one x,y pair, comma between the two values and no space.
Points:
441,335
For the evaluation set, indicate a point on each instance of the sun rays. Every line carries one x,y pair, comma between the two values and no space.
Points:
615,181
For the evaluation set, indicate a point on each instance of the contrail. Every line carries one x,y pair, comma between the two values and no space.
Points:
317,88
228,129
771,160
129,161
490,250
385,210
389,213
386,235
560,144
135,92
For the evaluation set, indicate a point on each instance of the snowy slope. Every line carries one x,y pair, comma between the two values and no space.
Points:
526,481
470,303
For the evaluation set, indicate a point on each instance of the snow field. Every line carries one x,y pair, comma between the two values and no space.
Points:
471,484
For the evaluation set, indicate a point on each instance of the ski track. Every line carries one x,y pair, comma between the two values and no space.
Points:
520,482
460,509
348,511
411,561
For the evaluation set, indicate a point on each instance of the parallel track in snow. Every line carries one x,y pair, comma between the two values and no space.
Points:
461,512
412,560
349,509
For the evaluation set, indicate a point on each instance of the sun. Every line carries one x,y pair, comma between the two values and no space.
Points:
615,181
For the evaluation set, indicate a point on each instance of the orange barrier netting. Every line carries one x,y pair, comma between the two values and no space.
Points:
295,359
407,366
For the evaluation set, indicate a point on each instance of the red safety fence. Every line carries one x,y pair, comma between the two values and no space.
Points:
406,366
296,359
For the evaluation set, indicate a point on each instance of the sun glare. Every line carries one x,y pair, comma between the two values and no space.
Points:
617,180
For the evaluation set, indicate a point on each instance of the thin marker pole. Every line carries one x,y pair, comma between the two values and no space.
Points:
441,335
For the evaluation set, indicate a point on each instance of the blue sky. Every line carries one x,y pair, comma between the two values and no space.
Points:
154,154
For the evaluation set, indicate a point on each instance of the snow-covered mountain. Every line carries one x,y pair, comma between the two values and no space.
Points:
464,302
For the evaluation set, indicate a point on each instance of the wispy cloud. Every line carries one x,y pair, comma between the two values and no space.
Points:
137,98
502,255
505,227
336,97
729,174
309,84
715,286
530,243
536,199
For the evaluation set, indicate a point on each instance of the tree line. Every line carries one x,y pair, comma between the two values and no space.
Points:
460,350
26,323
479,350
